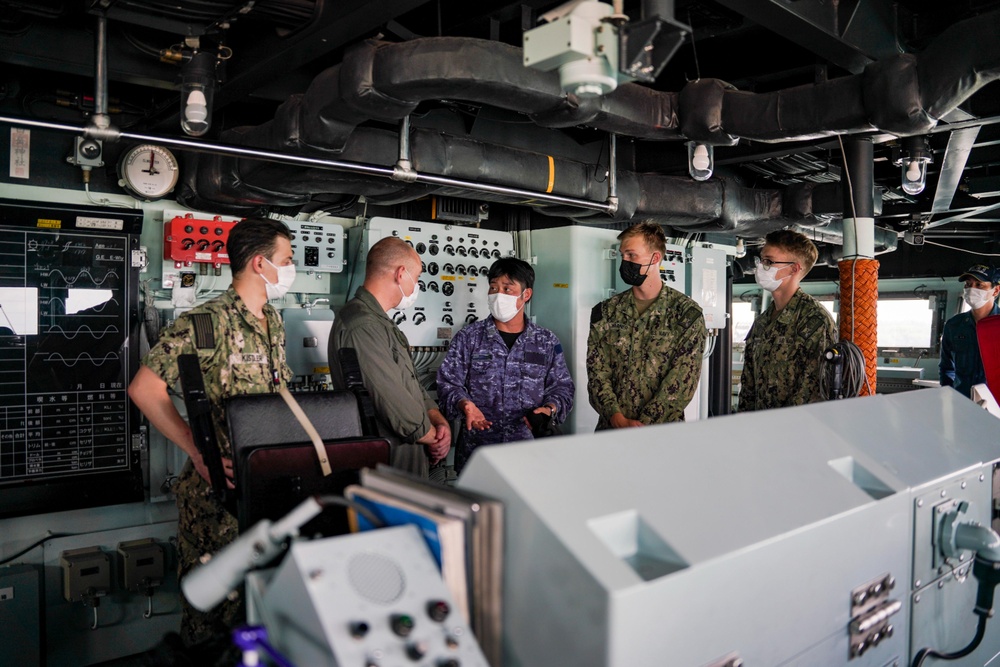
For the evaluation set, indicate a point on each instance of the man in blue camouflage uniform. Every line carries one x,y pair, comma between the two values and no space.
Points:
783,360
248,356
645,347
407,416
961,364
500,368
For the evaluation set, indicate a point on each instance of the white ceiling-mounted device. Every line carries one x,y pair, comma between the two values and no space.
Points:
581,44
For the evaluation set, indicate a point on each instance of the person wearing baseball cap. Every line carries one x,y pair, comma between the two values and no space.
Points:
961,364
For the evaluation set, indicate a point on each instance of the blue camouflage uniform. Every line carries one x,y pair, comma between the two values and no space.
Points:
503,383
961,365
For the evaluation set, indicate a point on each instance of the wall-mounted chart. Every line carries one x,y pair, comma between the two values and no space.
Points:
65,295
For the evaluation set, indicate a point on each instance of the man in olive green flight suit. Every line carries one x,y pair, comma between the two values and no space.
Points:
645,346
783,360
248,357
407,416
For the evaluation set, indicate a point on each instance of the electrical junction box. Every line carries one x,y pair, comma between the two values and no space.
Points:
453,287
142,564
317,246
86,574
574,271
188,240
706,272
20,616
307,336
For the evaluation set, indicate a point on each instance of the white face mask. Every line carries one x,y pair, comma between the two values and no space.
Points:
286,276
765,277
504,307
977,298
408,301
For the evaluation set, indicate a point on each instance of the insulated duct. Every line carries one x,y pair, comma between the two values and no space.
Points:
385,82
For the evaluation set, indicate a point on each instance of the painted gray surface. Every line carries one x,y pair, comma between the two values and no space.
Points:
769,535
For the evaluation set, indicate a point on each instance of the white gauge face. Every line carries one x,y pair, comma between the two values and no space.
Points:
148,171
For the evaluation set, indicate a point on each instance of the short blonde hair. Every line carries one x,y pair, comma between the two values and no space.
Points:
797,244
651,233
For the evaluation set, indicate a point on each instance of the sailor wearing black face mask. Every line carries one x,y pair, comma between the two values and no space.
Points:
645,344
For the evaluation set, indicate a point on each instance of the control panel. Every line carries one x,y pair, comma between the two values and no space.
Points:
453,286
317,247
369,599
188,240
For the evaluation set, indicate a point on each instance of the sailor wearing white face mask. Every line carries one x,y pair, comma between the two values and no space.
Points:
504,370
961,365
782,362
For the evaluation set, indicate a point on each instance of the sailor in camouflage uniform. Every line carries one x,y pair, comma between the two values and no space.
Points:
783,360
645,347
240,343
499,368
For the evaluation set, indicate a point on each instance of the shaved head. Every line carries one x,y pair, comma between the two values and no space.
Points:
388,255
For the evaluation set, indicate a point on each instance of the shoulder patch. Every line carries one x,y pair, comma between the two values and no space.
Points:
204,335
597,313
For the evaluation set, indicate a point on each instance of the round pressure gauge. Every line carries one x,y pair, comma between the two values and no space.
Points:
147,171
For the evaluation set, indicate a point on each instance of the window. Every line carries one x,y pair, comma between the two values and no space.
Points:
906,323
743,317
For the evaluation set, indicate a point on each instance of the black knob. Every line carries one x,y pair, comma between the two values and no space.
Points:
203,230
416,650
359,629
401,624
218,231
438,610
188,229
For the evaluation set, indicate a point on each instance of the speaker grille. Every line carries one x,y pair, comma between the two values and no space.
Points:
376,578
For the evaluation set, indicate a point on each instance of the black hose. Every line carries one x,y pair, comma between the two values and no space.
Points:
925,653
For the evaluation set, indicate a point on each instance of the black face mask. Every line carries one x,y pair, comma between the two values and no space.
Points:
630,272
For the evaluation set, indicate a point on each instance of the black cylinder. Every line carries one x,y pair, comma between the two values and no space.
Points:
662,8
859,167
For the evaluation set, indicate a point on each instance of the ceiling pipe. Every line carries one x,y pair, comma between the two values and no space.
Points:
101,119
320,163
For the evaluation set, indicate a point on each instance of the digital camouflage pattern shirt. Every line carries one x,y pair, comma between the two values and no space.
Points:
503,383
783,360
645,366
243,361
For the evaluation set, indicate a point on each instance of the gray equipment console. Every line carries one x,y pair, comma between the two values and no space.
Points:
372,599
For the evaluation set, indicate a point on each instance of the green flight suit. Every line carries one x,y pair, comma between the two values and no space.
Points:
401,402
645,366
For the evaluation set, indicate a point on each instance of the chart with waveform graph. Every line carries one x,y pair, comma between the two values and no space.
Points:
63,353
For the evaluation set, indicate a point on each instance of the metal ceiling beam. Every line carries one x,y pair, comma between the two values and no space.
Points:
849,33
962,216
337,24
956,155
